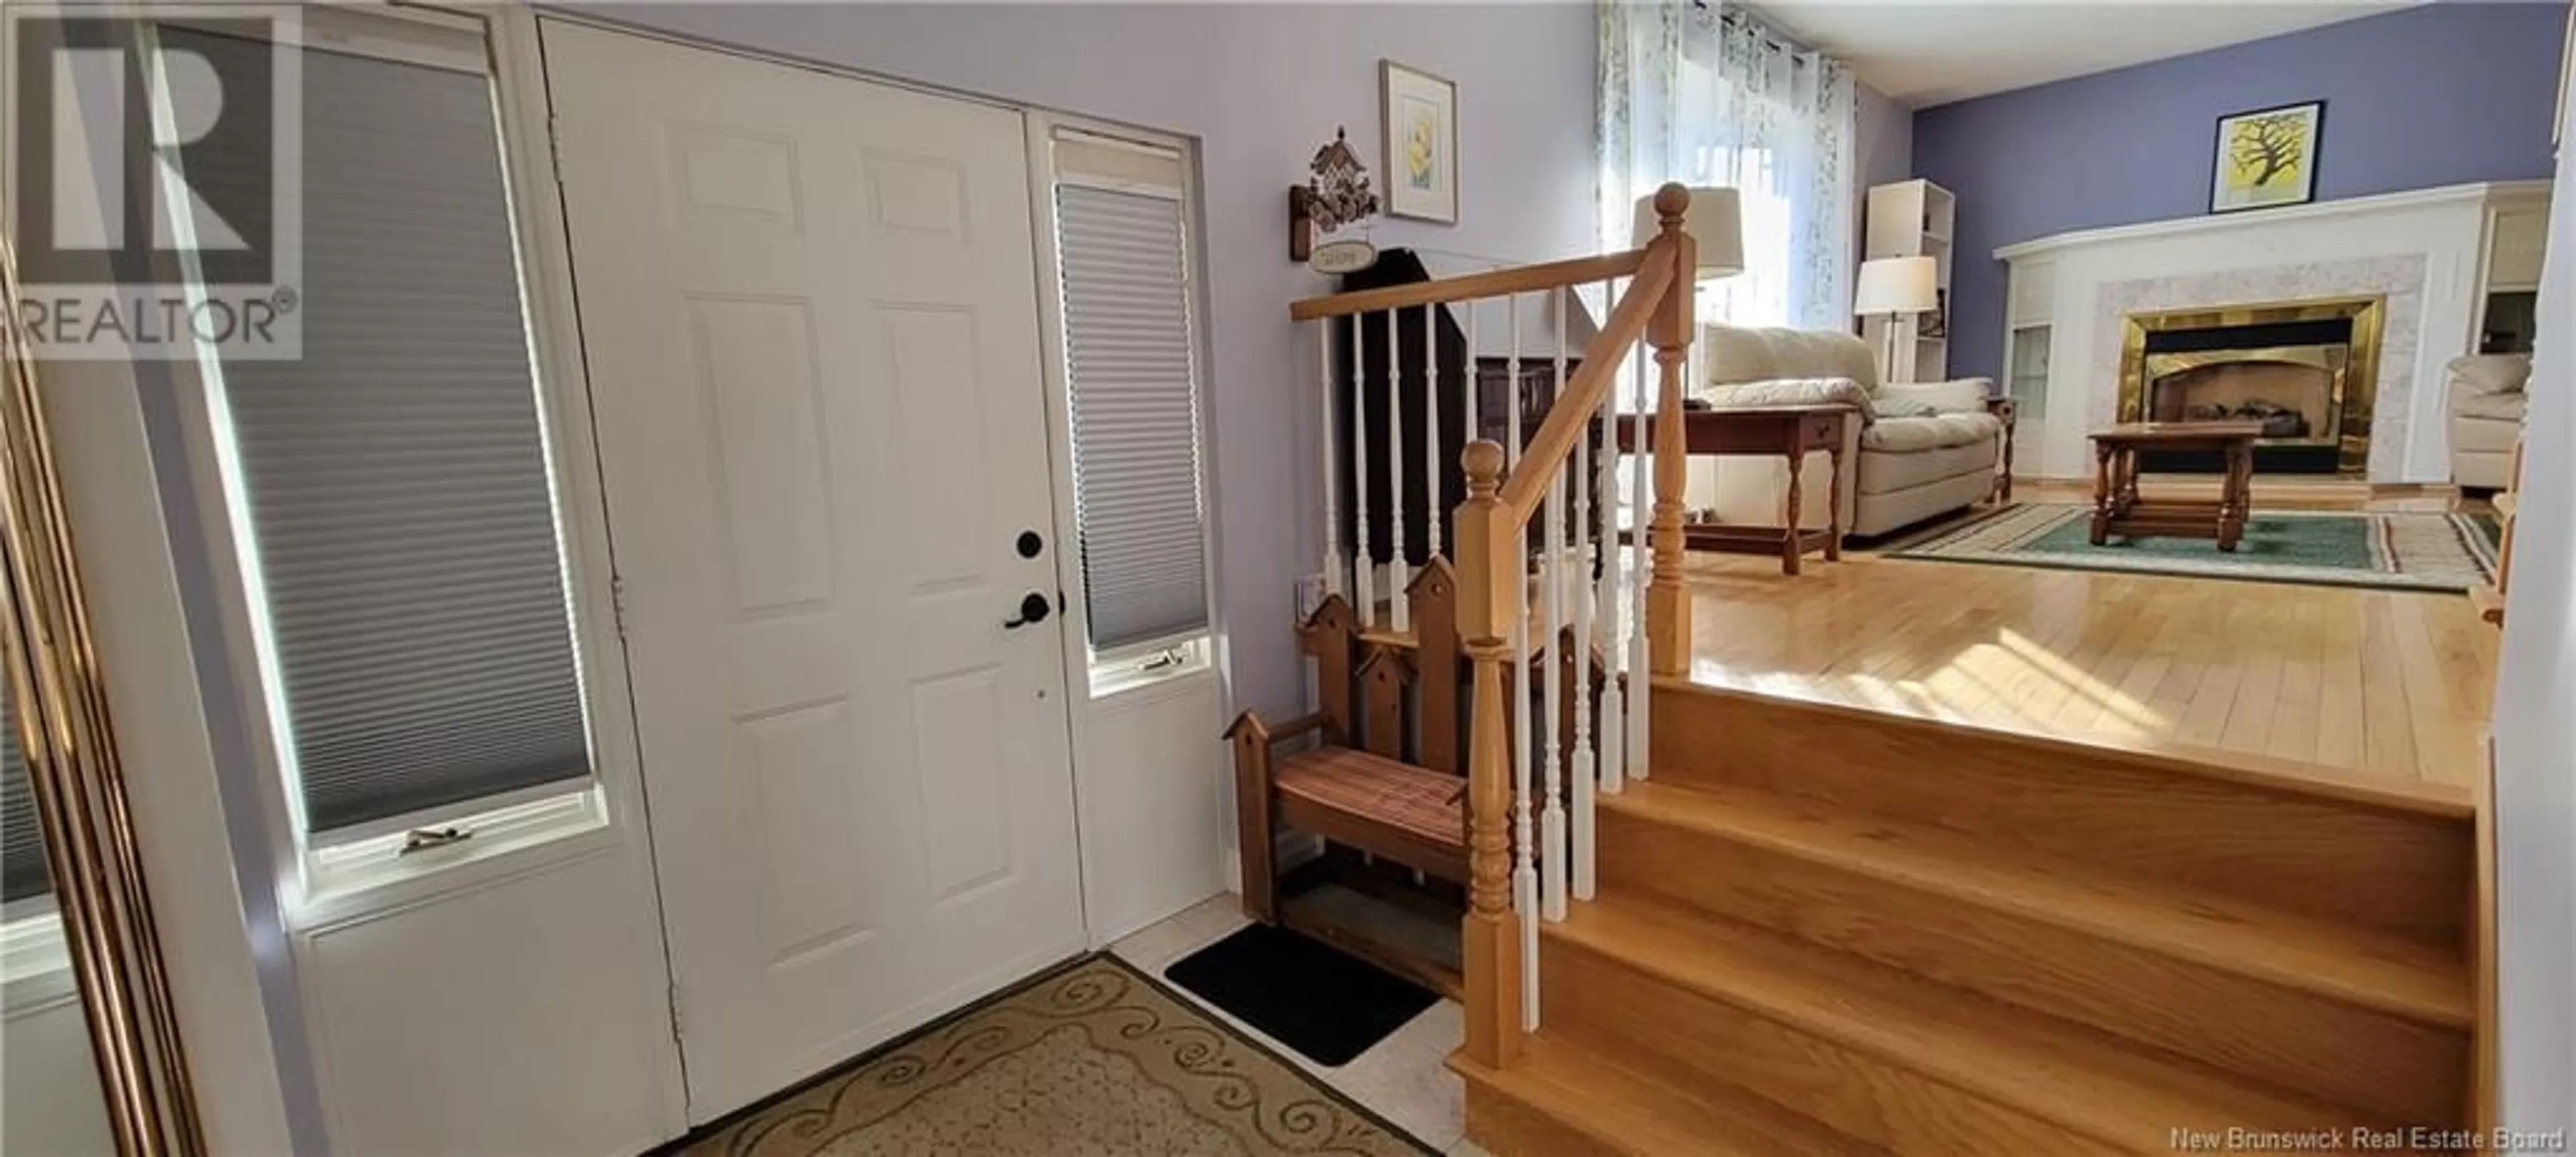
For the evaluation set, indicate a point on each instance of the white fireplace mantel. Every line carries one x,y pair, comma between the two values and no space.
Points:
2433,254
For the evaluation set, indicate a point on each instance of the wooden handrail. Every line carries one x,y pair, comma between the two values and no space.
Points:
1500,282
1571,413
1493,597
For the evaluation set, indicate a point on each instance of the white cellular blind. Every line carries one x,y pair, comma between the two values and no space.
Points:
22,845
1129,362
396,476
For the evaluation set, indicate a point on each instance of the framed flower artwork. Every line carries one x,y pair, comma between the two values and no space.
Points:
1421,112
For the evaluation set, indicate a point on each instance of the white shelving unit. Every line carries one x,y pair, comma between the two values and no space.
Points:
1914,219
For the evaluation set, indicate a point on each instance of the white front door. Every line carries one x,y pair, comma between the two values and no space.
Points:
809,307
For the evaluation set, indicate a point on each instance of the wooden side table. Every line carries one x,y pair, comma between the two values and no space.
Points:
2118,509
1791,432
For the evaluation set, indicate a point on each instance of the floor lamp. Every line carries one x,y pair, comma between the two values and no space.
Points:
1896,288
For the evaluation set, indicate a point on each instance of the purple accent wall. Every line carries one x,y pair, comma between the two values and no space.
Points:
2435,95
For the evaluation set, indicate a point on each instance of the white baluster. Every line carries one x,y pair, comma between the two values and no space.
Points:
1363,456
1579,478
1332,455
1474,379
1605,598
1434,465
1551,820
1512,392
1640,517
1524,846
1399,573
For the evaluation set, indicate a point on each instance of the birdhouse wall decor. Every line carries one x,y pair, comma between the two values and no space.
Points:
1337,198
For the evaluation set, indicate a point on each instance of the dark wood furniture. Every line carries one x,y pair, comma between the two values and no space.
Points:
1434,358
1791,432
2118,508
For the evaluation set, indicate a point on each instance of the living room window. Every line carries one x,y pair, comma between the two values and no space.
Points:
1710,97
1127,327
390,495
1761,294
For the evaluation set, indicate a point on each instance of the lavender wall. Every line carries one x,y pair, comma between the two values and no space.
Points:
1882,138
1260,86
1882,148
2426,96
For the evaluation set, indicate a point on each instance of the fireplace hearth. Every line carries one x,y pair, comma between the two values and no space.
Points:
2307,370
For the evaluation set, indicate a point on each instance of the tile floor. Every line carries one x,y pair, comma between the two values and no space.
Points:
1402,1079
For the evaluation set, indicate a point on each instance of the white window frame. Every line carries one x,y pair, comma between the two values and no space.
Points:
35,958
363,869
1155,661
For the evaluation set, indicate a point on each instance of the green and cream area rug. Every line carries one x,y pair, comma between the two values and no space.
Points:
2397,550
1091,1059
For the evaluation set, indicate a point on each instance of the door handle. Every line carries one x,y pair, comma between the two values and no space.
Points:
1033,609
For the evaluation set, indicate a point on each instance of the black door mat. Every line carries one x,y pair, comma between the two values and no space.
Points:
1326,1006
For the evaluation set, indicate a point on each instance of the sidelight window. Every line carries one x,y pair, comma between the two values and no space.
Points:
1128,327
390,492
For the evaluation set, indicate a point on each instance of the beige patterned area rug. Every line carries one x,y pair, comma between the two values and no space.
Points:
1090,1059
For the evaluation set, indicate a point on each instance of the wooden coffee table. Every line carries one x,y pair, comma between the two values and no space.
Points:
2118,509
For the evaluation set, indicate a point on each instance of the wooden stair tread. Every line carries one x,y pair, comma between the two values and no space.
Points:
2399,977
1805,707
1427,804
1628,1110
2078,1079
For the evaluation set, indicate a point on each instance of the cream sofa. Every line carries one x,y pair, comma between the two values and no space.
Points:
2486,402
1918,451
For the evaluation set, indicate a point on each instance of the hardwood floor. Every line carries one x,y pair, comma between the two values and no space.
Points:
2391,687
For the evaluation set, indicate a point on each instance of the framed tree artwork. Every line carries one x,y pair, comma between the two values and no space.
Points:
1421,112
2267,157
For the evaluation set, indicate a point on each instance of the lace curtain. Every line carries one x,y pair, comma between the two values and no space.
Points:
1692,95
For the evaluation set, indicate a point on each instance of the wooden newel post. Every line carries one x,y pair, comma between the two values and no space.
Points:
1668,626
1491,596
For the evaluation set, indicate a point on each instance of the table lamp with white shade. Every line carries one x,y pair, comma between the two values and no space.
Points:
1896,288
1715,219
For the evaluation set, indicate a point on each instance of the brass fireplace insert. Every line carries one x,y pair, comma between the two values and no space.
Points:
2237,365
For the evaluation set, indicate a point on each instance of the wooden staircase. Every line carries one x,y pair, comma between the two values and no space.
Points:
1823,930
1816,929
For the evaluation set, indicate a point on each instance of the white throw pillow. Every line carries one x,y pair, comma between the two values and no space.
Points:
1790,392
1957,396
